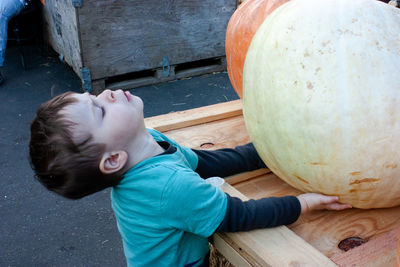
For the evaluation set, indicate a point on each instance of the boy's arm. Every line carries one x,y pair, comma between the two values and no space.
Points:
274,211
228,161
262,213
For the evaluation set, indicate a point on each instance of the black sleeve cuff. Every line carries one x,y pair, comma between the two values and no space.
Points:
261,213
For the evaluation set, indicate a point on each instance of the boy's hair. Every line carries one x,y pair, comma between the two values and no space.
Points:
70,169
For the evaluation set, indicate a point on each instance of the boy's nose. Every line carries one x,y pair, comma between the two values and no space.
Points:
107,95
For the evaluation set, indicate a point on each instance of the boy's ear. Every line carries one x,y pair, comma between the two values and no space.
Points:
112,162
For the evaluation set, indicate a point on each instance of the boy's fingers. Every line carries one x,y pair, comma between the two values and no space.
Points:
329,199
315,201
338,206
346,206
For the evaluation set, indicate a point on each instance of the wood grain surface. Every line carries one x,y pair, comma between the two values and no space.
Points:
379,251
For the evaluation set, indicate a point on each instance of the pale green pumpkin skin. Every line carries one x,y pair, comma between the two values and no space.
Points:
321,95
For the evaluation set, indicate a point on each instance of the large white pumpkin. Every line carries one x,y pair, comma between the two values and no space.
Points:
322,98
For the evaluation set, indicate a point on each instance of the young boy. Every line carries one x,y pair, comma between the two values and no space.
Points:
165,210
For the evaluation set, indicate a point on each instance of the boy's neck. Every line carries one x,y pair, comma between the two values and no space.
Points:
144,147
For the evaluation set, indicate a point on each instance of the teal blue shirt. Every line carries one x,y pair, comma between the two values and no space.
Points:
165,211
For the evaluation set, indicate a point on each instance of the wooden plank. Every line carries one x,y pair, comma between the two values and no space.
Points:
379,251
187,118
276,246
114,41
213,135
242,177
234,257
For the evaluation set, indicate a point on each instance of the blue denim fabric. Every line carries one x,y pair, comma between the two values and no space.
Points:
8,9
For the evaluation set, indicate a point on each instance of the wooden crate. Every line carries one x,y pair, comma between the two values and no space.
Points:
314,239
130,43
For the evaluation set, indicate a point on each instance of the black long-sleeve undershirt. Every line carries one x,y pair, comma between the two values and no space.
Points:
262,213
228,161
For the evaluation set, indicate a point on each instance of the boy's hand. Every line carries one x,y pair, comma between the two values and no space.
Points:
313,201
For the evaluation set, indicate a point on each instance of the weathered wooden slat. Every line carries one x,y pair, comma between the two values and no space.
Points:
242,177
211,136
233,256
182,119
276,246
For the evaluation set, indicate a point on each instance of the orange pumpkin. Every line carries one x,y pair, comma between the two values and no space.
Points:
241,28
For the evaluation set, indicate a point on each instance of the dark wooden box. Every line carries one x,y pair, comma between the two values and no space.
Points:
125,44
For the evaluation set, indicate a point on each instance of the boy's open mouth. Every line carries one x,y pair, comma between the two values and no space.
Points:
127,95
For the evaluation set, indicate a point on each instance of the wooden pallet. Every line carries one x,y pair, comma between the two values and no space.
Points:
313,240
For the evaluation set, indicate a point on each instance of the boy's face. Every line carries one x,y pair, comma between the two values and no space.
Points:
113,118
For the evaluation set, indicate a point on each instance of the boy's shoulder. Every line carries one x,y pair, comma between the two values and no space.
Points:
154,183
157,171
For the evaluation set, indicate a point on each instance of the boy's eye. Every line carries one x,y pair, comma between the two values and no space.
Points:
103,112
